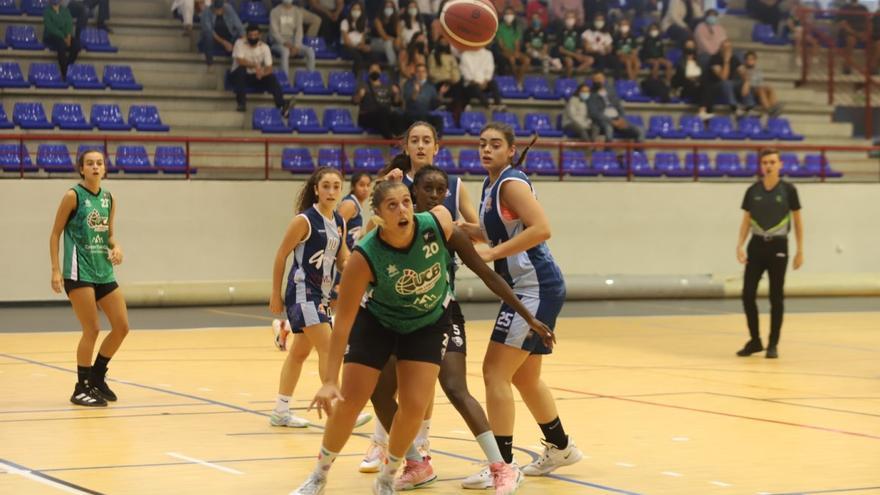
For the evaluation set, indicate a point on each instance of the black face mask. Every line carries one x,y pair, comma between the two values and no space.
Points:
690,51
253,42
420,46
374,76
598,86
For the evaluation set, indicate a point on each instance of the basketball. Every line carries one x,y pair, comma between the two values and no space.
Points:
469,24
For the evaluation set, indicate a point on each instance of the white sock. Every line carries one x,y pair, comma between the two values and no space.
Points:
422,436
389,469
325,460
379,433
282,404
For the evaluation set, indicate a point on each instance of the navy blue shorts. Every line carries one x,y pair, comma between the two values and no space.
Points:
511,329
306,314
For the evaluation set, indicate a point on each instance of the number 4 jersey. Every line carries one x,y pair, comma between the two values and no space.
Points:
313,272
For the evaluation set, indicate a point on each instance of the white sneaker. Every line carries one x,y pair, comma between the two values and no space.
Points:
374,458
288,420
482,480
553,458
383,486
362,419
312,486
281,329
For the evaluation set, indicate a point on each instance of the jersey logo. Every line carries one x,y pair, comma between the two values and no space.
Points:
392,270
413,282
96,222
778,198
429,236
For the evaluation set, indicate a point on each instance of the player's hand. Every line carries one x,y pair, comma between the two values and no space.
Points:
57,282
486,253
798,260
325,398
543,331
741,255
395,175
276,305
115,255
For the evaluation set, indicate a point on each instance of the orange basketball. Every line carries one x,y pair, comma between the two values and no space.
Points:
469,24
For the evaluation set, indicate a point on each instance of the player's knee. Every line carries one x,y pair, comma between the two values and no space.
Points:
456,391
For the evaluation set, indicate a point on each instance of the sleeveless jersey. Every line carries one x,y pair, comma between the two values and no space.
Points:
451,203
355,223
531,273
86,238
313,272
410,289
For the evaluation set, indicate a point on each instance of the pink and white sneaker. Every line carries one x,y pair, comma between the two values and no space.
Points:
416,474
506,477
281,329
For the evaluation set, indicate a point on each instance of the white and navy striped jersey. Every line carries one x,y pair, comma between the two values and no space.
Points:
355,223
313,272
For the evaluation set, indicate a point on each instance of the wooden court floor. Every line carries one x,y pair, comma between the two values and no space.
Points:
659,405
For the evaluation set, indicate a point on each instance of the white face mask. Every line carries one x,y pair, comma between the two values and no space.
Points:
355,14
624,29
599,24
654,34
413,12
569,23
389,11
509,18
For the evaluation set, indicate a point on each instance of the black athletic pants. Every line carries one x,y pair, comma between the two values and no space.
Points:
770,255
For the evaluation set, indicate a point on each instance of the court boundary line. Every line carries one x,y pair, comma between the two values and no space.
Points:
833,490
46,479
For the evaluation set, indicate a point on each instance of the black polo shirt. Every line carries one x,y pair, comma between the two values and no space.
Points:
771,210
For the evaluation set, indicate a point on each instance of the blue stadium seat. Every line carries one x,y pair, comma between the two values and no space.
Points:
813,163
781,129
763,33
669,165
342,83
509,89
34,7
12,156
510,119
540,162
8,7
297,160
449,127
473,122
723,128
701,162
134,159
538,88
791,165
640,166
23,37
146,118
29,115
368,160
693,126
332,157
751,128
96,40
469,162
4,119
444,160
83,76
70,116
729,164
605,163
310,82
108,118
120,77
339,121
565,87
11,76
575,163
54,158
46,75
171,160
630,91
322,51
253,11
284,82
305,121
636,120
270,121
540,123
663,127
108,163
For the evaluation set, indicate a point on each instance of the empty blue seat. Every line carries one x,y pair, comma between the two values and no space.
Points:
284,82
305,121
4,119
297,160
663,127
23,37
791,165
540,123
310,82
565,87
253,11
469,162
339,121
269,120
108,163
96,40
509,89
70,116
134,159
11,76
8,7
146,118
34,7
83,76
46,75
693,126
54,158
729,164
575,163
636,120
13,155
781,129
29,115
723,128
640,165
449,127
120,77
764,33
332,157
605,163
701,163
814,164
669,165
541,162
538,87
473,122
171,160
368,160
751,128
322,51
630,91
108,118
511,120
342,83
444,160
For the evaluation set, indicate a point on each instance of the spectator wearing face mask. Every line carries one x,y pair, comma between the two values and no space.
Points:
376,105
689,81
607,113
559,10
569,47
538,8
421,97
537,46
410,25
575,116
509,42
385,26
286,30
220,26
626,49
680,17
653,53
252,67
355,38
599,44
709,35
416,53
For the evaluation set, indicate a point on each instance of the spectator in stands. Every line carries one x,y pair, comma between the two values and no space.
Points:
286,30
186,10
709,35
575,117
852,24
569,47
355,38
58,35
416,53
607,113
754,91
443,70
477,71
428,10
599,44
220,26
681,15
559,10
518,6
626,49
802,39
509,45
421,97
766,12
653,53
410,25
538,8
376,105
385,27
252,67
81,11
724,69
536,44
435,27
330,12
689,80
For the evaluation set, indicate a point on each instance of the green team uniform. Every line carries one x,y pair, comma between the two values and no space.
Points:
86,238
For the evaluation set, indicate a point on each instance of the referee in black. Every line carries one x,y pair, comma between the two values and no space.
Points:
770,206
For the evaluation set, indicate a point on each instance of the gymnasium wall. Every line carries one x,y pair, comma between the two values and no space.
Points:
176,233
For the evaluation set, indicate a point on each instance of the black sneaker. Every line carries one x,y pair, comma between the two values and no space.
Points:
241,107
285,109
750,348
771,353
104,391
84,395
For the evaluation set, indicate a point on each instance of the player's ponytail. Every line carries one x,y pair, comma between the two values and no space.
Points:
308,195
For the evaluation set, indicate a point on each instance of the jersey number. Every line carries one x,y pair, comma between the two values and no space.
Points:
505,318
105,202
430,249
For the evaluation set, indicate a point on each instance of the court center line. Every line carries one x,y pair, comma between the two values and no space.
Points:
204,463
45,479
792,404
